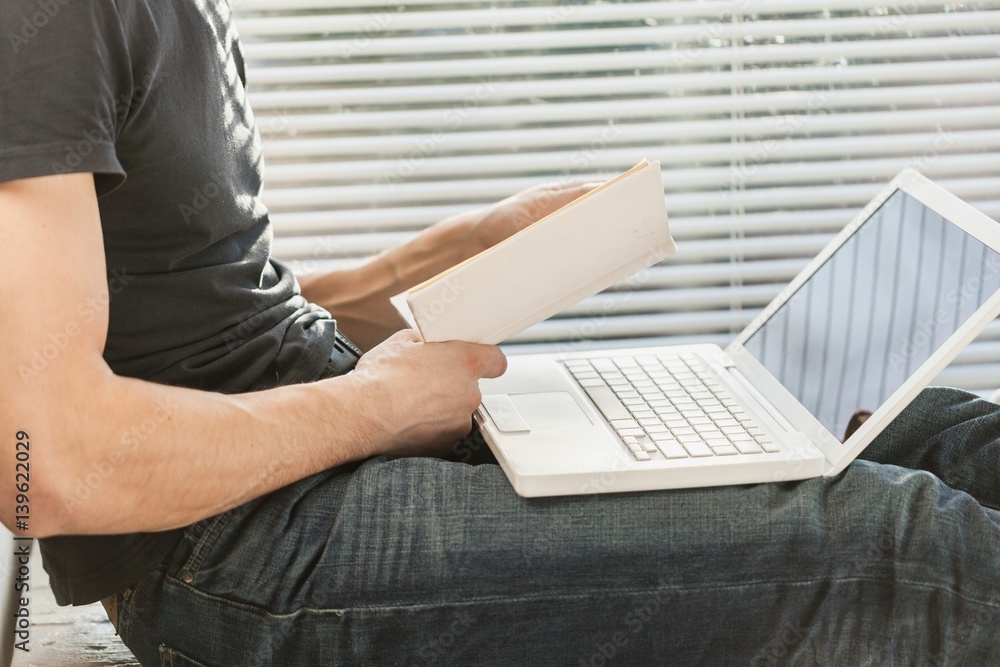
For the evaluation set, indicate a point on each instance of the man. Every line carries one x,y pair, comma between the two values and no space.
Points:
201,462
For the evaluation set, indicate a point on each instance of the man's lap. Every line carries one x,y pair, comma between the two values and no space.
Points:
408,561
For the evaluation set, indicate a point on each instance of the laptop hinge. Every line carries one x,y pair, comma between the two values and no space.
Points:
764,403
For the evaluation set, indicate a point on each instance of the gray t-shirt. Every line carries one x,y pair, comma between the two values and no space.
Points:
149,96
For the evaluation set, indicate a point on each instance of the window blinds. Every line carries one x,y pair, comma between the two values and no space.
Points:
774,120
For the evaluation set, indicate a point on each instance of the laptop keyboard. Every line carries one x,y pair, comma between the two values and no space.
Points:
669,407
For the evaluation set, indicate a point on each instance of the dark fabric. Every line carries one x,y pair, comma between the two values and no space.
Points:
150,97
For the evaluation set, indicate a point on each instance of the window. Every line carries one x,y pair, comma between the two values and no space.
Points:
774,120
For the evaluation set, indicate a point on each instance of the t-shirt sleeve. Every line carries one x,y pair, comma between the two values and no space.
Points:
66,82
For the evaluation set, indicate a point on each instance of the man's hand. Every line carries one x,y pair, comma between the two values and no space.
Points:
516,212
359,297
427,391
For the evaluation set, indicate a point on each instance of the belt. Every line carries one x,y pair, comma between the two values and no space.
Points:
343,357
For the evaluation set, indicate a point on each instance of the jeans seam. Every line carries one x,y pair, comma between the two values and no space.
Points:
206,542
341,611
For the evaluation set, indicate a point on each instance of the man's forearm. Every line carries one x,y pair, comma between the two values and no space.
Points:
148,457
359,297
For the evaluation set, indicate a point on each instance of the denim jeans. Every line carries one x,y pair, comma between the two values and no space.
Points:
425,561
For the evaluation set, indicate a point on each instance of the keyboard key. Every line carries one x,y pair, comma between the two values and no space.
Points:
705,429
647,444
604,365
625,362
634,401
672,449
644,414
725,451
641,455
748,448
596,382
656,428
686,431
769,447
608,403
689,438
733,430
727,422
717,442
631,431
698,449
741,437
585,374
627,393
650,421
624,423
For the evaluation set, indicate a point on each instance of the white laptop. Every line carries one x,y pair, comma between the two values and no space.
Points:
865,326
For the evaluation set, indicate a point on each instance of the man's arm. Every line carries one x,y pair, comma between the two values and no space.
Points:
197,453
359,298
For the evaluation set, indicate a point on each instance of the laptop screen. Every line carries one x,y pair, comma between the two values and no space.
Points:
876,310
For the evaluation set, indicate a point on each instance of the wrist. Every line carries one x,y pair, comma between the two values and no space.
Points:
435,249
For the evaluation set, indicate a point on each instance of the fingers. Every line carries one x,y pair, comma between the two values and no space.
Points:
492,361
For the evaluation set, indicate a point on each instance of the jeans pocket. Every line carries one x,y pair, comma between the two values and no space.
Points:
204,534
173,658
124,604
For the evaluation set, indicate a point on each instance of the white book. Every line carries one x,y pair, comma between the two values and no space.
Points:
592,243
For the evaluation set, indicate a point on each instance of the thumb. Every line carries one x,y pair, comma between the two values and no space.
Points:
492,361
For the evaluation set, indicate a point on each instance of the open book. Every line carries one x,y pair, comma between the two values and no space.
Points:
595,241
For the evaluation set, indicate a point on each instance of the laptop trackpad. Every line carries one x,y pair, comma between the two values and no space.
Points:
547,411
